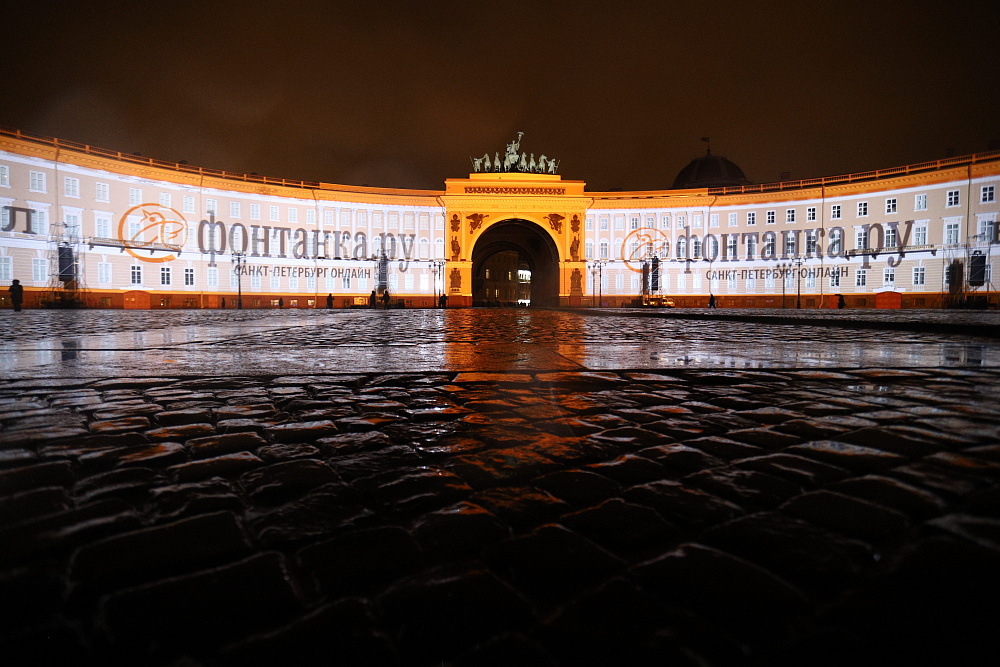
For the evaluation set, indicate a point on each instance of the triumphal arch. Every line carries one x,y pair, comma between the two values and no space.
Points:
539,216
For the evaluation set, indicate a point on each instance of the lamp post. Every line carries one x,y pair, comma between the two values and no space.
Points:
240,260
798,272
597,271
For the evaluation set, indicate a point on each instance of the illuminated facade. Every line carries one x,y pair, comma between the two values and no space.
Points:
121,231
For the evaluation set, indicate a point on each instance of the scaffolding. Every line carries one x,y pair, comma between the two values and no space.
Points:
66,286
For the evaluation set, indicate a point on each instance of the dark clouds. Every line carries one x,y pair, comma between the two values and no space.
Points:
400,94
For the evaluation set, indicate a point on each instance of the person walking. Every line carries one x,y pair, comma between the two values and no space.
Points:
711,301
281,302
840,301
385,300
372,300
329,301
16,294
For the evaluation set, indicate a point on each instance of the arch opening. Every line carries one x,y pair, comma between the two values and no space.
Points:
525,251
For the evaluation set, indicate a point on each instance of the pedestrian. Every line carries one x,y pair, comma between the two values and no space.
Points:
16,294
840,301
385,299
329,301
222,303
372,299
711,301
281,302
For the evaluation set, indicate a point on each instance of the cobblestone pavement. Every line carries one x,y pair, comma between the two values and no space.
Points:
688,514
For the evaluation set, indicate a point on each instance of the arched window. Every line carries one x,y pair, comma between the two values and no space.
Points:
439,248
695,246
588,250
425,249
604,249
665,250
681,248
619,248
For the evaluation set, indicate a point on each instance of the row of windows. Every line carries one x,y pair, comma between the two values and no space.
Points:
952,198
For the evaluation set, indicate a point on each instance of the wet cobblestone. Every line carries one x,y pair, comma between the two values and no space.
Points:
544,517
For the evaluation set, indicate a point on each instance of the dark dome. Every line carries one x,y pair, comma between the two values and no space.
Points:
709,171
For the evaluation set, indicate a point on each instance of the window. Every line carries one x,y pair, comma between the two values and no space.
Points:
135,275
393,281
769,280
102,226
768,245
890,205
189,204
811,241
731,281
604,222
588,224
920,235
164,275
665,222
751,247
789,280
861,238
72,225
588,250
835,212
234,209
104,273
920,203
362,218
40,221
234,279
790,215
211,206
953,198
293,215
951,233
255,211
408,282
751,283
860,277
39,270
212,277
681,221
890,237
714,220
37,181
165,199
732,220
103,192
919,275
987,194
604,249
71,187
811,214
634,222
986,228
619,222
751,218
862,209
835,278
651,222
134,196
836,238
255,282
681,248
275,216
695,246
275,281
731,250
4,176
770,217
696,220
888,277
790,245
810,281
188,277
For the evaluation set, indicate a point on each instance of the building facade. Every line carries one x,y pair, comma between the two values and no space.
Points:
102,229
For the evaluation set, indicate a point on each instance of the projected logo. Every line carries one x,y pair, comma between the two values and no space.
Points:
153,228
642,245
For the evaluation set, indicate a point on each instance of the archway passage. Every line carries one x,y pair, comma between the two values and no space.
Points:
536,253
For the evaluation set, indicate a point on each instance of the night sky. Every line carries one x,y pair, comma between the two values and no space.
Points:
400,94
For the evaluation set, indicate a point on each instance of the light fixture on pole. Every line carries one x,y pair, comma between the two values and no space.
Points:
239,259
